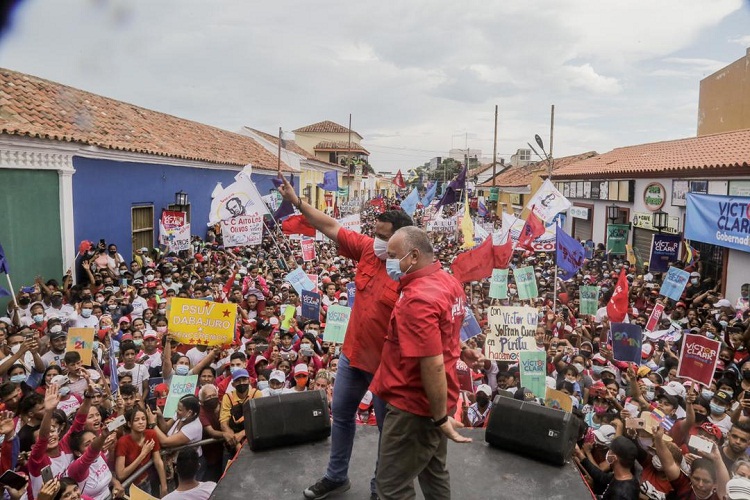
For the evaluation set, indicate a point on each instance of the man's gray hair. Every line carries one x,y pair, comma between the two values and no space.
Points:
208,388
415,237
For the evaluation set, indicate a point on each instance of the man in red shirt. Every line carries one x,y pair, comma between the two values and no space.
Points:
418,377
363,343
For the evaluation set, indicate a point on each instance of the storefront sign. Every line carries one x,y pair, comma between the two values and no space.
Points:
579,212
654,196
642,220
719,220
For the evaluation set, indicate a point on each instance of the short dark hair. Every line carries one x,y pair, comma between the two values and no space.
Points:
238,355
128,345
7,389
29,402
128,390
71,357
186,464
397,218
706,464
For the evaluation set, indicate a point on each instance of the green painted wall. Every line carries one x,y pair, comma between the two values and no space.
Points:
30,226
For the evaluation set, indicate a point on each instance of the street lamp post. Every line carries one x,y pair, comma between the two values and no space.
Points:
613,213
660,220
181,200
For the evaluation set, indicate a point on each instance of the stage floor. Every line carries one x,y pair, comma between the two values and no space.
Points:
477,472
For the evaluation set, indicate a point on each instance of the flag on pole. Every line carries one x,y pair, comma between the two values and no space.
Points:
617,308
430,194
239,198
398,180
297,224
691,255
532,229
467,226
330,181
409,205
481,209
457,184
3,262
548,202
286,208
474,265
569,253
502,250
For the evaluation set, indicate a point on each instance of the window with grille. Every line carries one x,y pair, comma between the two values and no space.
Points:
142,226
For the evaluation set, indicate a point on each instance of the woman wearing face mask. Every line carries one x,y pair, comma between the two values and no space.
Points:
276,381
708,475
209,417
655,484
720,404
135,450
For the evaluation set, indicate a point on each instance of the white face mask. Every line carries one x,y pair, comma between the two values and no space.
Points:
380,247
656,462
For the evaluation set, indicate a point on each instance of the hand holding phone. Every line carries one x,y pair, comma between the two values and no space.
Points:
116,423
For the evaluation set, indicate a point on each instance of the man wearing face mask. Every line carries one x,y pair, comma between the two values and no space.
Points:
231,415
57,309
275,384
621,483
83,317
363,343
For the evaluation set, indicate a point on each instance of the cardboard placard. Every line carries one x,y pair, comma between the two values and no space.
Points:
82,341
195,321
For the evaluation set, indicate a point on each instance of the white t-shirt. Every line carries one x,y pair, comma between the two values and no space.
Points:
725,424
195,356
78,321
138,372
70,405
50,358
193,431
139,305
200,492
64,313
96,485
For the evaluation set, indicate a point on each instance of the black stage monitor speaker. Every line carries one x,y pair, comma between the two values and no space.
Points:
529,429
286,419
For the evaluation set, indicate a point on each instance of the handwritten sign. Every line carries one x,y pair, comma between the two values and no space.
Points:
533,368
526,282
178,387
195,321
241,231
337,320
626,342
674,283
299,280
310,305
512,331
308,249
82,341
589,299
499,284
699,357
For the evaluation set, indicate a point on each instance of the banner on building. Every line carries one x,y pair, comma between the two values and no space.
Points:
718,220
674,283
698,359
665,249
617,238
512,331
588,299
201,322
242,231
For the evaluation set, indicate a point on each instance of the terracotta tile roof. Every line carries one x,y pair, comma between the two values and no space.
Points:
33,107
325,127
483,168
727,152
522,175
340,146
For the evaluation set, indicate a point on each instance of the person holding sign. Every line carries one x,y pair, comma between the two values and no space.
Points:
418,377
365,334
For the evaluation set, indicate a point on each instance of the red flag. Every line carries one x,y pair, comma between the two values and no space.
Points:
476,264
532,229
399,180
617,307
502,253
297,224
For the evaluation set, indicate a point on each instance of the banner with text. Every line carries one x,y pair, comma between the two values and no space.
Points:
626,342
81,340
655,317
337,320
665,249
308,249
242,231
617,238
526,282
589,299
499,284
352,222
698,359
674,283
178,387
512,331
719,220
201,322
534,372
310,305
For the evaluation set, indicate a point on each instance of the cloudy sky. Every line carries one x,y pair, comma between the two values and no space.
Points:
418,76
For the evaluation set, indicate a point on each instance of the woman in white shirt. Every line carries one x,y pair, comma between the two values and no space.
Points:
185,428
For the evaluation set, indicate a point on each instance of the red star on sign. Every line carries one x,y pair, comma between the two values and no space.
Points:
226,313
192,340
205,342
208,304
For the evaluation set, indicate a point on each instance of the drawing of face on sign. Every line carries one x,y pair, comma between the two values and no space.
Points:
235,207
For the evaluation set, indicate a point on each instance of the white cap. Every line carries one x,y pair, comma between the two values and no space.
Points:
738,488
278,376
605,434
723,303
485,389
274,321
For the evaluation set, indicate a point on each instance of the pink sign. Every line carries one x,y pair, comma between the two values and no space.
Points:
653,320
698,359
172,220
308,249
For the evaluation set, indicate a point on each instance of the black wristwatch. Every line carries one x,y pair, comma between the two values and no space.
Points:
151,426
441,421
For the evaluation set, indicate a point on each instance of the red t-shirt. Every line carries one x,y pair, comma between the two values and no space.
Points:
376,296
129,449
426,322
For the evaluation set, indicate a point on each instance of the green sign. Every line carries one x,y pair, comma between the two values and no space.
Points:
179,386
617,238
499,284
589,299
533,368
494,194
337,319
526,282
343,192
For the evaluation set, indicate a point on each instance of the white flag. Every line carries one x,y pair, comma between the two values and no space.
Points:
237,199
548,202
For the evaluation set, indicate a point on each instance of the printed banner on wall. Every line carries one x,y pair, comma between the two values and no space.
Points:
665,249
674,283
698,359
617,238
242,231
512,331
589,299
718,220
195,321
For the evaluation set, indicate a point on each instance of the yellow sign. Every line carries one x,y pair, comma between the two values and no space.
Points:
138,494
82,341
195,321
558,400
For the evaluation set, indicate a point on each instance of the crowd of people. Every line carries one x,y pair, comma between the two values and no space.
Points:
64,428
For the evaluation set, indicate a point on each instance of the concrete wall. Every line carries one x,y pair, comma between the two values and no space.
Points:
737,273
724,100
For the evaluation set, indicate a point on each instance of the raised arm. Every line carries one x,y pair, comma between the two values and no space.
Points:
317,219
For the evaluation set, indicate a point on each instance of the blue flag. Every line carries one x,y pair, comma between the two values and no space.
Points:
481,209
457,184
430,194
3,262
4,292
286,208
470,327
409,205
330,181
569,253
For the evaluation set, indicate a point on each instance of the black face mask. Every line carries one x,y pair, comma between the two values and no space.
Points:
585,354
211,404
700,418
24,301
746,374
98,282
243,388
